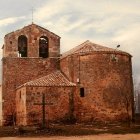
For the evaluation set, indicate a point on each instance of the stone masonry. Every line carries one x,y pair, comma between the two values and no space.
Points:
107,83
57,110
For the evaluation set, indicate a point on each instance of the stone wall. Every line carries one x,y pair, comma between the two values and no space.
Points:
21,106
107,84
17,71
58,108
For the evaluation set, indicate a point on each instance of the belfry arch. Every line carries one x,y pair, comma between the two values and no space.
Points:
43,47
22,46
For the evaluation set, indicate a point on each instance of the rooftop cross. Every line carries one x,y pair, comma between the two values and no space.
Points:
32,15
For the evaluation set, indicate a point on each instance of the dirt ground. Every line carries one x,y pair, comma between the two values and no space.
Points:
94,137
114,131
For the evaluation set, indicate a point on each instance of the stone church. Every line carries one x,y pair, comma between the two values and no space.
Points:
88,83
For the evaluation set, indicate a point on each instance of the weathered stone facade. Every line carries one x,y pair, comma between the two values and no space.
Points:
106,77
17,71
57,110
94,83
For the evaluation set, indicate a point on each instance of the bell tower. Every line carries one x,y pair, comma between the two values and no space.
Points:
28,53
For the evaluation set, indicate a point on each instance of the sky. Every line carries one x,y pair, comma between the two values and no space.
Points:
105,22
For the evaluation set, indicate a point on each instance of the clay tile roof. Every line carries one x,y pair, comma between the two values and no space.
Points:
54,79
88,47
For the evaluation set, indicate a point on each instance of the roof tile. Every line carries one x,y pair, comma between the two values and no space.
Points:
88,47
54,79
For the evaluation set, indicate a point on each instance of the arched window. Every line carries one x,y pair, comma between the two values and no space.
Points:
22,46
43,47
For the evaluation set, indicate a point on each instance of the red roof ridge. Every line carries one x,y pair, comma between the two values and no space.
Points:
88,47
35,25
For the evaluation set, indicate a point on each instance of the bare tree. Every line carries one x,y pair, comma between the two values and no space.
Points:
127,101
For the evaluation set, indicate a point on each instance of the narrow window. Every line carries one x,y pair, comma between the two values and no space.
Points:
43,47
22,46
82,92
20,94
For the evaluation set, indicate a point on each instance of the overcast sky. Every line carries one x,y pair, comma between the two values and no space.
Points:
105,22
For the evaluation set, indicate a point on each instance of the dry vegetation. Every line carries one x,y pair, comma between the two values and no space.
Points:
96,131
71,130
